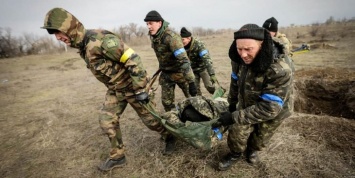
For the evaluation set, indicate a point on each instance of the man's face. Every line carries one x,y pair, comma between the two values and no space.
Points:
153,26
272,34
248,49
186,40
62,37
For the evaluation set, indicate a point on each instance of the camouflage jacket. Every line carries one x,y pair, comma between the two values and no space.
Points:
282,39
261,93
170,52
199,57
110,60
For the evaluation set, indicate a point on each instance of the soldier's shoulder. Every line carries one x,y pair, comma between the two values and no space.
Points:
169,32
280,67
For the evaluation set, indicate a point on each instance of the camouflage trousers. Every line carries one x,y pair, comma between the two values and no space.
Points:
168,81
253,137
206,81
109,118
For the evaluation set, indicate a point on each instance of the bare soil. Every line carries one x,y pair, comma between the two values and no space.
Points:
49,110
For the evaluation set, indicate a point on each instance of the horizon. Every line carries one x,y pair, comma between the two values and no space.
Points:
207,14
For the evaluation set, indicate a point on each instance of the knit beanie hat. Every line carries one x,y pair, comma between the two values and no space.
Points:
271,24
250,31
184,33
153,16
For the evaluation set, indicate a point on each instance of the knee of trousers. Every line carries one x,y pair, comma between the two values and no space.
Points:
109,124
238,137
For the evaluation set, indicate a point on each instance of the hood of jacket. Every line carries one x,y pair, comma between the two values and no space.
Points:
64,21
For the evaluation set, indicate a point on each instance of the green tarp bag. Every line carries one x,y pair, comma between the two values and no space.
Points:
198,134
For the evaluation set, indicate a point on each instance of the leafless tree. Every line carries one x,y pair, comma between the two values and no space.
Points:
8,43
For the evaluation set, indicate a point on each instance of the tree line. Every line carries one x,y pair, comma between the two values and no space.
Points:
132,34
29,44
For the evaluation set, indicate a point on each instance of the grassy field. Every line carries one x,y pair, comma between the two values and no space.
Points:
49,118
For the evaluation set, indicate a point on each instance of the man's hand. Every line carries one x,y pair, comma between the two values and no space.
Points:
232,107
213,78
192,89
142,97
225,119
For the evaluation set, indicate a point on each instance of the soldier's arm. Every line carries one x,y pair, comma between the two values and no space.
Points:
206,58
137,72
114,49
272,98
94,59
176,46
233,88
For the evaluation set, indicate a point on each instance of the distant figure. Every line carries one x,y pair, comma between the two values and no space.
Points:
260,94
118,67
201,62
271,24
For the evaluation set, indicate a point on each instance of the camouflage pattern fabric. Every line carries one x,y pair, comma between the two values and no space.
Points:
200,57
206,81
62,20
255,137
115,104
256,115
281,38
168,83
173,62
201,64
113,63
198,134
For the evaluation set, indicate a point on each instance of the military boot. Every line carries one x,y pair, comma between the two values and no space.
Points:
109,164
228,160
169,145
252,156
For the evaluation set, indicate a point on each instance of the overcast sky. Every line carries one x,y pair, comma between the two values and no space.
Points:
27,16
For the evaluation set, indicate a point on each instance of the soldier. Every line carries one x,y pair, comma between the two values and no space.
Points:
259,97
201,62
118,67
271,24
173,61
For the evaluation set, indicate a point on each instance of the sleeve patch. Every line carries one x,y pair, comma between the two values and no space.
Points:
111,43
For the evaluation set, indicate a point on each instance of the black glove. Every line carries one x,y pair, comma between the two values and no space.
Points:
225,119
192,89
232,107
142,97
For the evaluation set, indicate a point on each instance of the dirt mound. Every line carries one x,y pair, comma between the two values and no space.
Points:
326,91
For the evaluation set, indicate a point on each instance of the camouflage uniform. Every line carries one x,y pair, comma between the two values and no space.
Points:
174,64
201,64
281,38
113,63
261,94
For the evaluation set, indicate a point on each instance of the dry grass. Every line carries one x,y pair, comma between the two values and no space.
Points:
49,107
